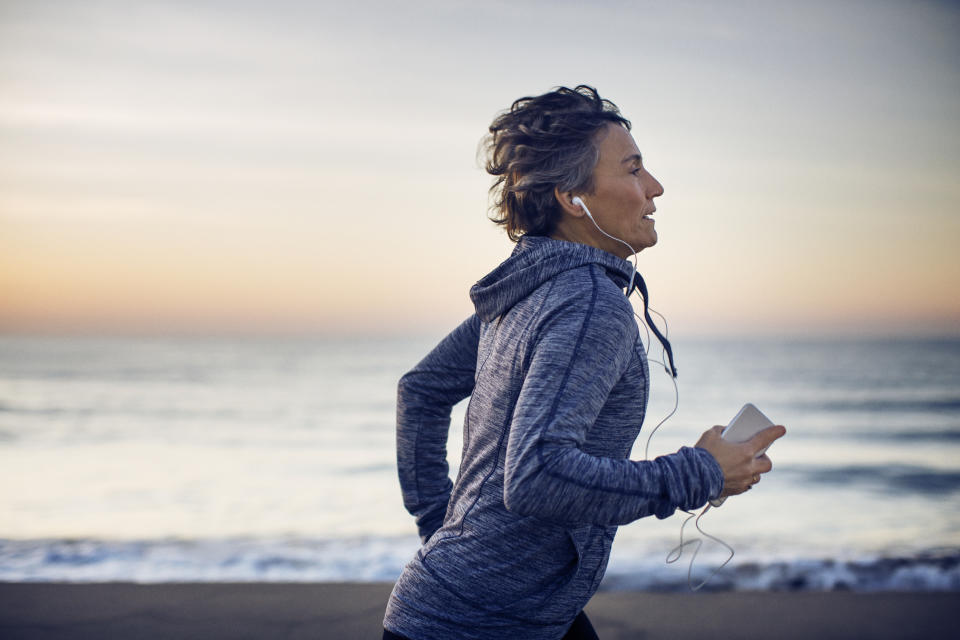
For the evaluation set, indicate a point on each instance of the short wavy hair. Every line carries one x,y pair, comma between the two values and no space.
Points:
539,144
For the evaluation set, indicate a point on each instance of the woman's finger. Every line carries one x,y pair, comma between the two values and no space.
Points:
765,438
764,464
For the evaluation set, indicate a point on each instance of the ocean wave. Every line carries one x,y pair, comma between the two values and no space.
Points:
381,560
884,405
907,435
935,570
224,560
929,435
899,478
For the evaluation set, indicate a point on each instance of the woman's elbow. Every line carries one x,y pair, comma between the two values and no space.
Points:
527,495
419,394
412,397
406,386
512,504
517,495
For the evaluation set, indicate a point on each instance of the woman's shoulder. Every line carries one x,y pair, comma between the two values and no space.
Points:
590,282
588,291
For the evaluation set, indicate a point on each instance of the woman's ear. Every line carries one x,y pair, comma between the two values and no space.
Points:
565,200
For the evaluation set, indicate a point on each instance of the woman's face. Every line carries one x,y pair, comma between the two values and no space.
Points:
622,200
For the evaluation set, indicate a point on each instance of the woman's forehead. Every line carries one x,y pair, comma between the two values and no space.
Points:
617,147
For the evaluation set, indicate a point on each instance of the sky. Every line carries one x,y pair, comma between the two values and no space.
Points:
311,167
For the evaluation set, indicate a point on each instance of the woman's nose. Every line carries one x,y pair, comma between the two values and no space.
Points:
655,188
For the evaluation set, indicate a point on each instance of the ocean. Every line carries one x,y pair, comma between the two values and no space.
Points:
272,459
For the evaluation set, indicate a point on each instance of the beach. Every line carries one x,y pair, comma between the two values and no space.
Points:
52,611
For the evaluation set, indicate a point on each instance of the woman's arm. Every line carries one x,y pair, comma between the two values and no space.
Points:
425,397
582,351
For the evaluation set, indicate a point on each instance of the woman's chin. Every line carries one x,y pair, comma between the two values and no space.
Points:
646,241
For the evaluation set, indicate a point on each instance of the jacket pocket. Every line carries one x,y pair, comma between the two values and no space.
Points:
521,570
580,539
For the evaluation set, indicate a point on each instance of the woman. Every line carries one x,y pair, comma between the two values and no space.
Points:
559,383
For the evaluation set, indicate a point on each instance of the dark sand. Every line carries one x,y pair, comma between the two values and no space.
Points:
267,610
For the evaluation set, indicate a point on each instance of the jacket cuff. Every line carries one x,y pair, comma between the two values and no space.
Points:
713,473
430,522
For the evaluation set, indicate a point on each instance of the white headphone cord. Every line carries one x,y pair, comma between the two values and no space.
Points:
676,405
677,551
579,201
662,363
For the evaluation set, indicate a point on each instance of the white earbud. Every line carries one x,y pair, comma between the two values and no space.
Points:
577,201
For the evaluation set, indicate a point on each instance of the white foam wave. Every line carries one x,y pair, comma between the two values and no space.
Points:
382,559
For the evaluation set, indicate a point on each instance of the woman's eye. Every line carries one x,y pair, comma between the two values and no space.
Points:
636,171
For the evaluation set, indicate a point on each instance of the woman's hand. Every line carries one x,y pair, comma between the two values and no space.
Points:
739,461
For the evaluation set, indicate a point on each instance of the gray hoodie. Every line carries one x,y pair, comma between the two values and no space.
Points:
559,383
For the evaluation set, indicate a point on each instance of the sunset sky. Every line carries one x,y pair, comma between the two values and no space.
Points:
312,166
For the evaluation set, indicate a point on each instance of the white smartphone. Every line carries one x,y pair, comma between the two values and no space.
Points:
746,424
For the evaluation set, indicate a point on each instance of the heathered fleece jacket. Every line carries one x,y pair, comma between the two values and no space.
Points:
559,382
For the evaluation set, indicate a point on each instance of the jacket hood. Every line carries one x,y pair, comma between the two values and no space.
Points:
535,260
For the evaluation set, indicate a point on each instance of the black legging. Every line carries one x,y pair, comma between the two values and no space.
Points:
581,629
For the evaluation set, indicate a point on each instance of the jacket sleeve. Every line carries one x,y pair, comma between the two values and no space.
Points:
425,397
582,350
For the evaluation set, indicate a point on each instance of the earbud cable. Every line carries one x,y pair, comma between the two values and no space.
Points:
671,370
677,551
